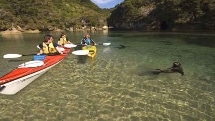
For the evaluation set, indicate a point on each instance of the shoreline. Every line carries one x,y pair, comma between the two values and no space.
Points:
16,31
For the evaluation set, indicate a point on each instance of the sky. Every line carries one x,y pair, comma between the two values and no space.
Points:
107,3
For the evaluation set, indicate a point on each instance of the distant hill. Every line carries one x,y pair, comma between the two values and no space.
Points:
50,14
164,15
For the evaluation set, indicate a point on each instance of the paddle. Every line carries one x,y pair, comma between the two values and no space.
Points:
78,52
104,44
16,55
60,49
69,45
81,52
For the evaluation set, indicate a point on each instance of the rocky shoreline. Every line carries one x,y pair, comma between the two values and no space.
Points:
177,29
19,30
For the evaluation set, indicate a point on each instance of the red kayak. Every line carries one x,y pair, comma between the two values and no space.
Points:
25,73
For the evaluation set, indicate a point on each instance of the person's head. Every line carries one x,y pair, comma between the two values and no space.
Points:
63,35
48,38
87,36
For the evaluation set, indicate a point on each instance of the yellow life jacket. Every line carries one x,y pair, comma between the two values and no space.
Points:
62,41
49,48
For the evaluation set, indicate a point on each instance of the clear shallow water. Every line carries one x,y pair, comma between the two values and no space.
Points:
118,84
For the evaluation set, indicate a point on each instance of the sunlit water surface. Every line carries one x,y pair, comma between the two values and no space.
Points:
117,85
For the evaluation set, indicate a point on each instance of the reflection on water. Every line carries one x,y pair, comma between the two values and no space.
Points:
16,36
118,85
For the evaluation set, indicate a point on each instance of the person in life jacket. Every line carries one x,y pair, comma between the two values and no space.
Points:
87,40
48,47
63,40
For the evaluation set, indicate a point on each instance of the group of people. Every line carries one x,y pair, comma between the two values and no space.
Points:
49,47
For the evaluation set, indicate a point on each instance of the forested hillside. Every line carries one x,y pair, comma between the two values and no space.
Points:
50,14
164,15
131,15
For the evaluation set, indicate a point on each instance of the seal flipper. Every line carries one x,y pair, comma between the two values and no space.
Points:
156,71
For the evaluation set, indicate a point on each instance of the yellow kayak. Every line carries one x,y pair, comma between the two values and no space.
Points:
92,50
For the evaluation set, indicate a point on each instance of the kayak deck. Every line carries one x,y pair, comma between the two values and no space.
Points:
92,50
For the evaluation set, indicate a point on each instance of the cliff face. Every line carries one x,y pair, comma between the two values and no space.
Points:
164,15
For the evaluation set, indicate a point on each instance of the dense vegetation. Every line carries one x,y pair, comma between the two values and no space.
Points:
50,14
131,14
164,14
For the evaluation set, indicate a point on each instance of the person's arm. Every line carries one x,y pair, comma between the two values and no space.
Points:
41,50
93,41
83,42
58,42
56,45
67,41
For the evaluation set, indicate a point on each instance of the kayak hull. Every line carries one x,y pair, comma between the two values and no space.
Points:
17,79
92,50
